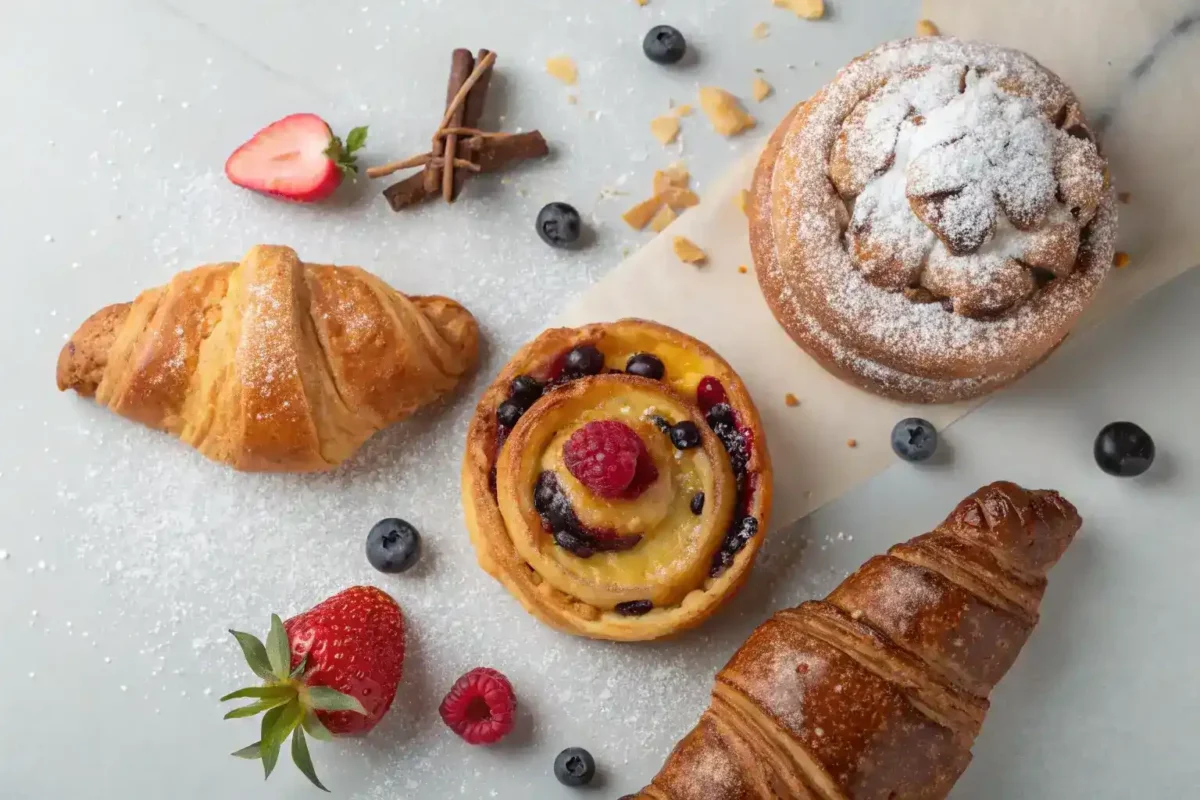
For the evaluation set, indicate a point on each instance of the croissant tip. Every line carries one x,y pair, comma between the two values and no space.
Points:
82,360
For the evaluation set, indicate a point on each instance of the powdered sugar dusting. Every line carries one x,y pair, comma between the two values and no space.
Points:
965,204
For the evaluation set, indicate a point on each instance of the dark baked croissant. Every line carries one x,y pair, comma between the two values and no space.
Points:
877,692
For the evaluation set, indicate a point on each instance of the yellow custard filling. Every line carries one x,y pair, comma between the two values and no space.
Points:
685,367
671,533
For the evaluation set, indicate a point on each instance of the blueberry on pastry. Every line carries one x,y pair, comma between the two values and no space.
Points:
628,497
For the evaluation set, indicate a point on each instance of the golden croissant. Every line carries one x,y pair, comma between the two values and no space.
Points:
271,364
878,692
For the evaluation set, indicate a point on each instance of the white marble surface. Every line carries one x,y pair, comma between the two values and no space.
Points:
123,557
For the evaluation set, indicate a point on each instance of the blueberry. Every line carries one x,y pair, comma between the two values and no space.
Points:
545,492
634,608
525,390
645,365
685,435
661,423
574,767
573,544
393,545
720,413
697,503
914,439
584,360
664,45
509,413
559,225
1124,449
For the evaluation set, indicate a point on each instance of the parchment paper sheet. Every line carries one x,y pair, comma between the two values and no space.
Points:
1132,65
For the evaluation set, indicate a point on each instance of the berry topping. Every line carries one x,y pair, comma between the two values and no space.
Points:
1124,449
393,545
583,360
740,532
634,608
664,45
480,707
736,444
509,413
685,435
720,413
559,225
709,392
525,390
574,767
661,423
558,517
697,503
645,365
914,439
604,456
573,544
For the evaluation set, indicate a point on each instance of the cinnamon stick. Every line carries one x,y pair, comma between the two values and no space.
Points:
495,154
462,63
473,111
410,191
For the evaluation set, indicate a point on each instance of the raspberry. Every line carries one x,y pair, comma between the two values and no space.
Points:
710,392
604,456
480,707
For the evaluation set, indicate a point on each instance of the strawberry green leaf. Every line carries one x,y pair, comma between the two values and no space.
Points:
325,698
280,690
255,653
266,704
356,139
315,728
252,752
302,759
299,670
279,654
269,749
335,151
288,720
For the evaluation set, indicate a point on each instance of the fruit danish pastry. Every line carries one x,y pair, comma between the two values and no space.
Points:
616,480
931,224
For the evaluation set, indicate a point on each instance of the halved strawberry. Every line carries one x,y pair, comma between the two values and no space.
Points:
297,158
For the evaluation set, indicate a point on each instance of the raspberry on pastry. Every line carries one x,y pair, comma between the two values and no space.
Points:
627,499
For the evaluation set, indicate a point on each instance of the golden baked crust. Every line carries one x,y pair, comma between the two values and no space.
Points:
921,313
271,364
507,533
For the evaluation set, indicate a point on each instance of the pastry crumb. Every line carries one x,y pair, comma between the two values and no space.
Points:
790,400
761,31
1124,197
572,99
640,215
742,200
562,68
673,177
760,89
724,112
926,27
678,174
687,251
1121,260
642,2
665,216
852,443
665,128
684,110
805,9
743,269
678,198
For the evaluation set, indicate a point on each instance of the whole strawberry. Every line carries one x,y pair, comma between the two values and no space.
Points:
296,158
332,670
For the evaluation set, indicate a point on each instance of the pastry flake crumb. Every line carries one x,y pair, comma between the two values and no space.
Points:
678,198
572,99
684,110
1121,260
742,201
665,216
743,269
926,27
678,174
562,68
790,400
665,128
761,31
642,2
687,251
805,9
1124,197
640,215
760,90
661,182
852,443
724,112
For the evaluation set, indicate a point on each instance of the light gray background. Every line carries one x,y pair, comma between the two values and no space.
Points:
125,556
